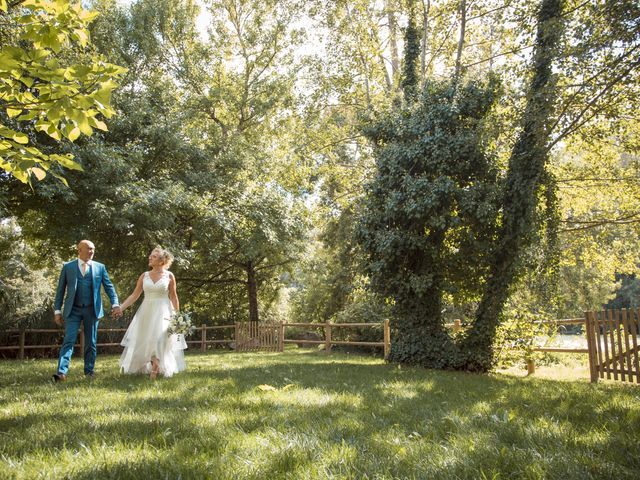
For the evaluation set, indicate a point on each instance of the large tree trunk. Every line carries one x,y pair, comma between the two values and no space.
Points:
252,286
419,317
525,174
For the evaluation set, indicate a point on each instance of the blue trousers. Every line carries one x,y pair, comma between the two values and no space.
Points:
87,317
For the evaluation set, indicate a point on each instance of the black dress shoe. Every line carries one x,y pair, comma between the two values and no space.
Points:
89,376
59,377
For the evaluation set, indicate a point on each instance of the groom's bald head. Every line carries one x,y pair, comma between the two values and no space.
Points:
86,249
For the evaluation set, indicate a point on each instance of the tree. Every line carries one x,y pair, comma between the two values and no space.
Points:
24,290
51,84
245,102
193,166
430,214
524,178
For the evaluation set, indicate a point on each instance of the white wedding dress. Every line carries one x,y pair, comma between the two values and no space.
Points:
147,335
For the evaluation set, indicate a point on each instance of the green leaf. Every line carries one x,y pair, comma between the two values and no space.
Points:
39,173
3,5
98,124
74,134
55,114
86,16
28,81
37,55
21,138
61,178
20,175
54,133
61,6
82,36
85,127
67,162
13,112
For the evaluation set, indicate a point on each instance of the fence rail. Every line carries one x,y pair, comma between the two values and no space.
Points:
531,366
328,341
22,346
239,331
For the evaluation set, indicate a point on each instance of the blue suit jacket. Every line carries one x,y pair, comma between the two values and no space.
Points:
69,280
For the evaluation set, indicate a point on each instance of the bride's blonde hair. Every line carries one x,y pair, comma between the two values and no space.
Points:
165,256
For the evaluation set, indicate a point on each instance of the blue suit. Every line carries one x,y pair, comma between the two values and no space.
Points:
82,305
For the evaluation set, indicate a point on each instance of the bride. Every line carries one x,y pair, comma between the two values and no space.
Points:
148,347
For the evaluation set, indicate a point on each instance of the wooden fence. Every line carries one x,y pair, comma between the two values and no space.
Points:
531,368
613,344
612,339
203,342
328,340
245,337
258,336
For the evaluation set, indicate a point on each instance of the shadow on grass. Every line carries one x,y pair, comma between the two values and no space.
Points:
214,421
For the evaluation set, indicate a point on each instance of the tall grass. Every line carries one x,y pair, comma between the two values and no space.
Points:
310,416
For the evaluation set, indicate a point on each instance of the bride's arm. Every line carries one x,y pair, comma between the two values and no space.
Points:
173,293
135,295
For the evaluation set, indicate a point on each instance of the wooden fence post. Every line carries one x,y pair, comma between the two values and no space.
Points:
21,351
327,337
281,336
592,335
531,366
203,338
387,339
457,325
625,334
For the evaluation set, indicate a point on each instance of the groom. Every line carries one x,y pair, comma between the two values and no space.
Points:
81,280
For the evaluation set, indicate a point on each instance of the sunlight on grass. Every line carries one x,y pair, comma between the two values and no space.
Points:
310,415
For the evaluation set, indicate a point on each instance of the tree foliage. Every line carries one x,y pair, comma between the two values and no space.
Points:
430,214
191,165
525,175
50,84
25,293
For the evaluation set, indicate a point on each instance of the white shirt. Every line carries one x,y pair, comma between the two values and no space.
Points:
80,263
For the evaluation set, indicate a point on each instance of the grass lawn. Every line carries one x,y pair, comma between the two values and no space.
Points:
315,417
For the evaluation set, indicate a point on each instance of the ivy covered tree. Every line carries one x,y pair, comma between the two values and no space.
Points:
525,179
437,221
430,213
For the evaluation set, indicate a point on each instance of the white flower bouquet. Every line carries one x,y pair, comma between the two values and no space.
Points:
180,324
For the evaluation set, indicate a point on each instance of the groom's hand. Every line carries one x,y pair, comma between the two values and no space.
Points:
57,318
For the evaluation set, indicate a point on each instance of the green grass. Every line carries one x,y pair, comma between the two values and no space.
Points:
337,416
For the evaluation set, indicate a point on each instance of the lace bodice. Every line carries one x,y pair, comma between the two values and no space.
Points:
156,290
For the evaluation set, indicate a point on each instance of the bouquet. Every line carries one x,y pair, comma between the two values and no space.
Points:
180,324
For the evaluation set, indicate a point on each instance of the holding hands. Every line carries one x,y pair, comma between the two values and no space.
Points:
116,312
